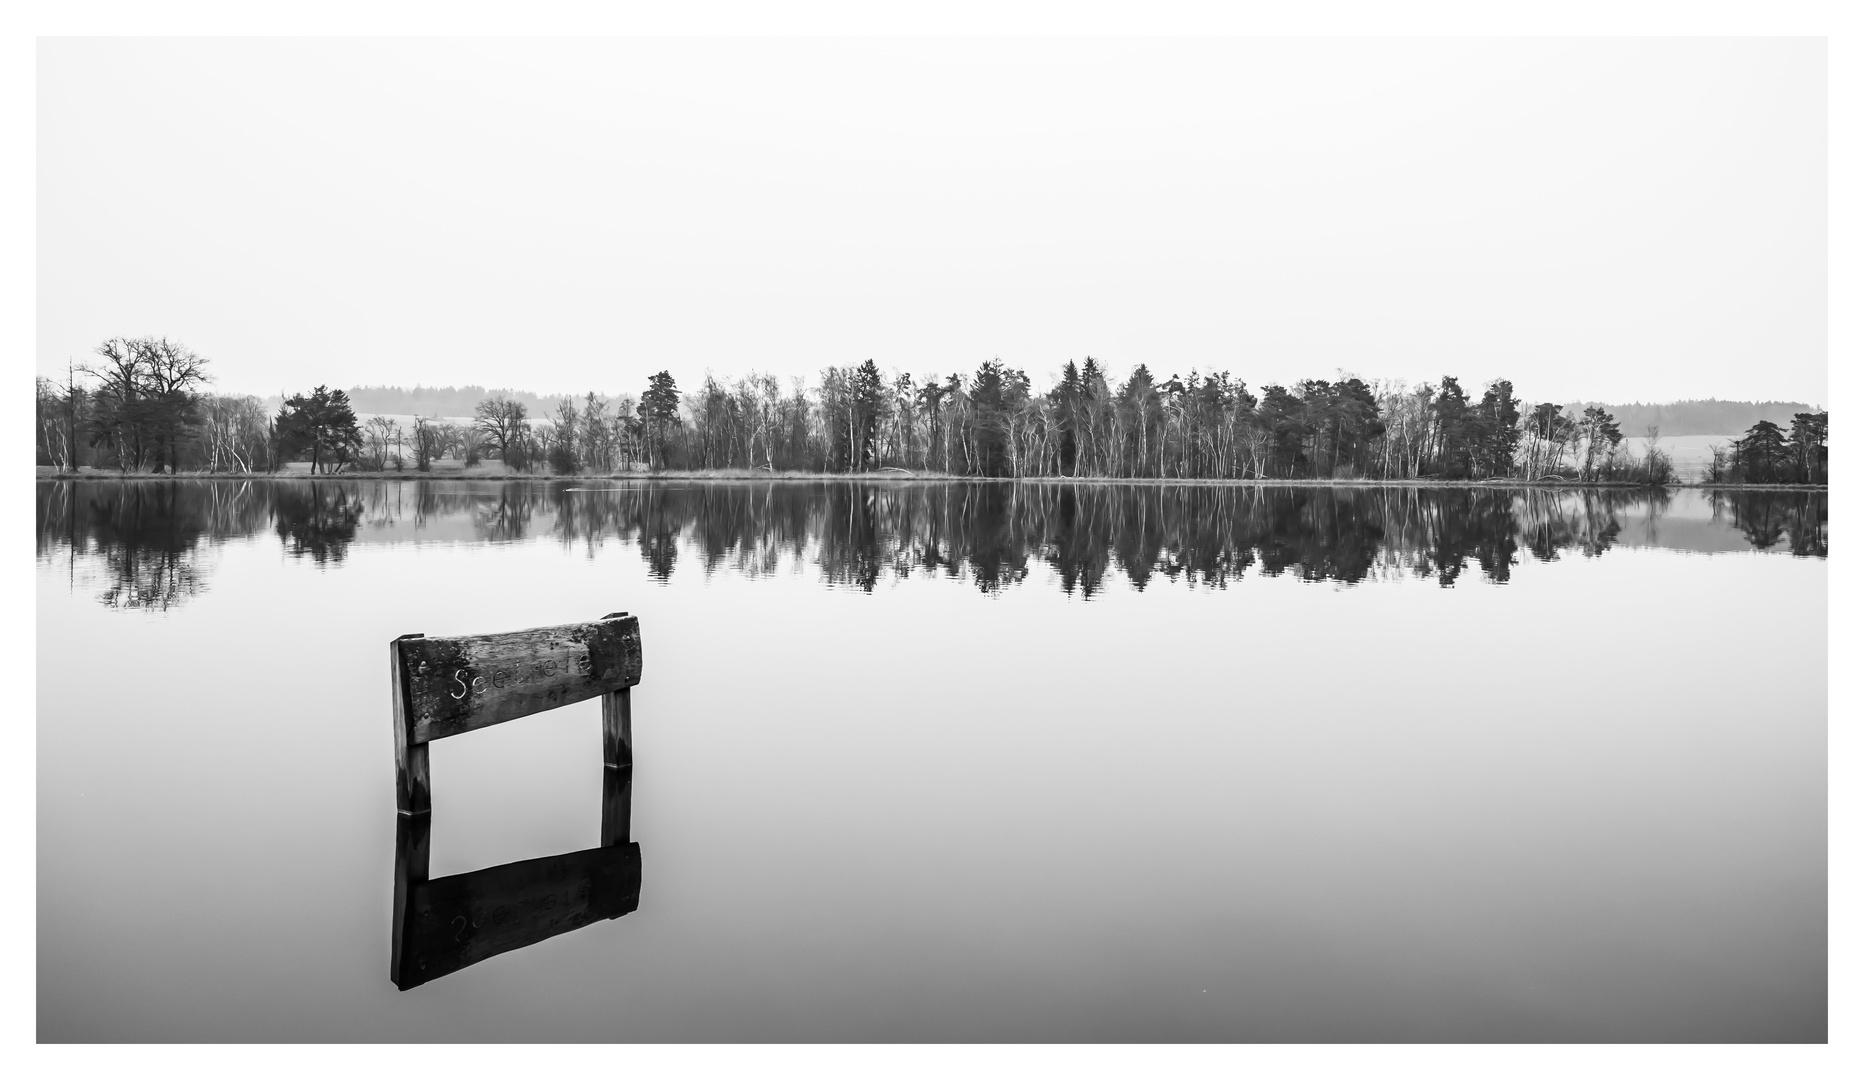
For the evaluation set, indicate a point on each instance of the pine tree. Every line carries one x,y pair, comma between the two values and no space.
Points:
1762,455
322,423
659,412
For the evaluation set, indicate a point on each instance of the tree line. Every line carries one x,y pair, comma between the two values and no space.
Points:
144,407
1769,455
856,419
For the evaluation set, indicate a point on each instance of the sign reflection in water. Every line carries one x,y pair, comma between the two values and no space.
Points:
444,924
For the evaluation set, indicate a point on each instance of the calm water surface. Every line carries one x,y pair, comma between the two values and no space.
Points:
966,762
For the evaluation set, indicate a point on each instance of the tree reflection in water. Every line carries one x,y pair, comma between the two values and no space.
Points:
1768,517
142,538
317,519
145,539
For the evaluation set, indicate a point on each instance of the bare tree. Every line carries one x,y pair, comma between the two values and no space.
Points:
147,399
561,437
236,433
176,373
380,432
501,420
1657,467
628,431
470,443
426,436
595,435
50,414
121,417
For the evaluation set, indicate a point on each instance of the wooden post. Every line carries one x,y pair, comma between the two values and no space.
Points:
617,724
413,794
413,836
617,799
617,730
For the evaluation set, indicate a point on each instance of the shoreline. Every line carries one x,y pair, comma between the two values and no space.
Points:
736,476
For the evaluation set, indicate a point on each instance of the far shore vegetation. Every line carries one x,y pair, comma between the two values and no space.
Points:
142,407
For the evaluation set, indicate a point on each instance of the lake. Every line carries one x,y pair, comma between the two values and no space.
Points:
967,762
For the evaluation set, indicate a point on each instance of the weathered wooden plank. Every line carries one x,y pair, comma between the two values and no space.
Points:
460,684
453,922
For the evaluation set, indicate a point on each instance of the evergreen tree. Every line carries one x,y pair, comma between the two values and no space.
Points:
1095,419
1451,412
1763,456
1137,409
1280,418
1065,399
322,424
869,405
659,413
989,421
1602,437
1495,429
1809,449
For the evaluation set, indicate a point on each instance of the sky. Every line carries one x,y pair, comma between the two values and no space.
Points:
1595,219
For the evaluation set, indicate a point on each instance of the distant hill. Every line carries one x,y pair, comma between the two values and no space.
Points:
443,400
1710,416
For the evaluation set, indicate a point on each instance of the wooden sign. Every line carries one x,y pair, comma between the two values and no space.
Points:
449,686
449,923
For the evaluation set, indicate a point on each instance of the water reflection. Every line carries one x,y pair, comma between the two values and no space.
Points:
142,539
145,540
317,520
444,924
1768,518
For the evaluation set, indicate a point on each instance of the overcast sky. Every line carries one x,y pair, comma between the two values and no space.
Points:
1610,219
